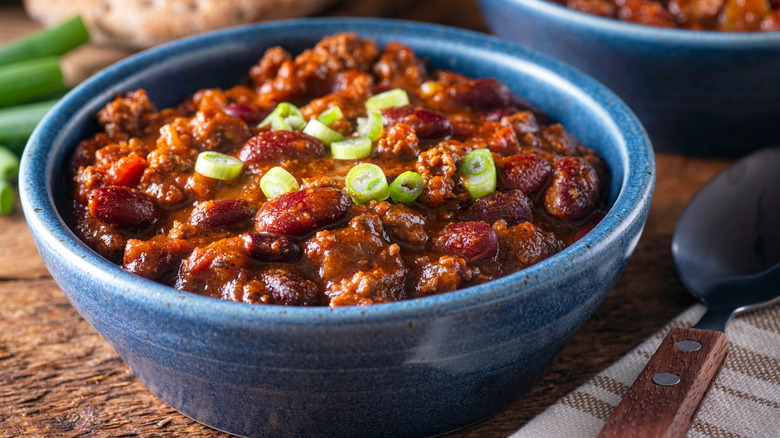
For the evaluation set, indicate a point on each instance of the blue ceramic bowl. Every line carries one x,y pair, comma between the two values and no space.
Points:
413,368
697,93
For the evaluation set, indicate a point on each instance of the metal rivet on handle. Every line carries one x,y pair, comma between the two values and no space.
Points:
666,379
688,345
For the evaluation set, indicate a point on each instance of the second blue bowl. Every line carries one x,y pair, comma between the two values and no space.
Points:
697,93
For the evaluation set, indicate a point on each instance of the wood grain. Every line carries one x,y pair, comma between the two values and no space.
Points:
58,378
651,410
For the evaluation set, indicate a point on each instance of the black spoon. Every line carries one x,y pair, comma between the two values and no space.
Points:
726,248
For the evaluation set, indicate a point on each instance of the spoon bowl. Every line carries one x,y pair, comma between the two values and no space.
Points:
726,245
726,248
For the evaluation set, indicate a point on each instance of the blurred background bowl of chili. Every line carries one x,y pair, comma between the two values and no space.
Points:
412,368
701,93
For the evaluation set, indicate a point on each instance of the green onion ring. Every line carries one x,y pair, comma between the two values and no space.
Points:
365,182
218,165
371,127
278,181
406,187
351,148
330,116
285,117
478,173
320,131
388,99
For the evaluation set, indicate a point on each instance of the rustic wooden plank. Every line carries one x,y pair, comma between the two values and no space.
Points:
58,376
18,257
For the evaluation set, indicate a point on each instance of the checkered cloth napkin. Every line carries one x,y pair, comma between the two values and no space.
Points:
744,401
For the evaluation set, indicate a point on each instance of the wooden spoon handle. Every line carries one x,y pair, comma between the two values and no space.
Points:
656,406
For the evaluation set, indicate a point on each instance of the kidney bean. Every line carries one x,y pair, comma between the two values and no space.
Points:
525,172
291,289
302,212
482,94
512,206
122,206
268,247
273,145
574,189
474,241
221,213
252,115
426,124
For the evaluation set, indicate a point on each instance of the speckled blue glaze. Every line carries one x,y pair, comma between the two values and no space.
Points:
413,368
697,93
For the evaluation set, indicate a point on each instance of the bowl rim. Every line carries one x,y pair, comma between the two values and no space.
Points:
642,32
46,224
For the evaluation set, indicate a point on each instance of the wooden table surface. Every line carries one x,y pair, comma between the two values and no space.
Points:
59,378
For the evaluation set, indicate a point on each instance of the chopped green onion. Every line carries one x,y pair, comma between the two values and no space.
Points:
365,182
278,181
478,173
320,131
370,127
351,148
330,116
285,117
56,40
18,122
388,99
6,198
9,164
218,165
26,80
406,187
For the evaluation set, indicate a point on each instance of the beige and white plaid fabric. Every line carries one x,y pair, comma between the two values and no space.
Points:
744,401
